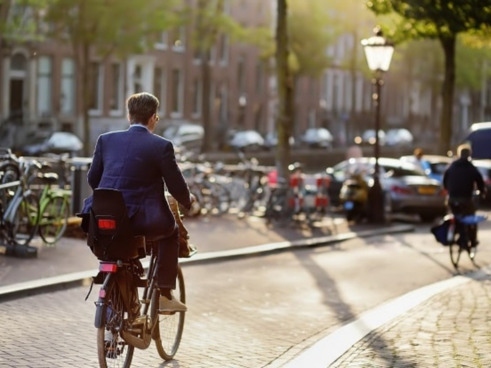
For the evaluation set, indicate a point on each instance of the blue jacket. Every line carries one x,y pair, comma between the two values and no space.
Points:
139,163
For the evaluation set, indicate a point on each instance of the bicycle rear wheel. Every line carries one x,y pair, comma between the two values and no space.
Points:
54,219
25,224
112,350
168,330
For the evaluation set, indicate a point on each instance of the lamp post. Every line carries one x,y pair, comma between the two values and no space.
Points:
242,107
378,52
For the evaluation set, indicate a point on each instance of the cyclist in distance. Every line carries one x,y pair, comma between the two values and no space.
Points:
460,180
141,164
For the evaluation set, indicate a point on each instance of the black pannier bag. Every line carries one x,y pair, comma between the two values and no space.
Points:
444,231
109,235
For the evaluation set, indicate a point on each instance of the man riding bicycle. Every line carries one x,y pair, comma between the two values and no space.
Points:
460,180
141,165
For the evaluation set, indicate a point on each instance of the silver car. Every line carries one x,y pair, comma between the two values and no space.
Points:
406,188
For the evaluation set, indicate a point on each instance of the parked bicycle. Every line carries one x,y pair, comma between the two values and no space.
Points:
18,205
54,206
123,320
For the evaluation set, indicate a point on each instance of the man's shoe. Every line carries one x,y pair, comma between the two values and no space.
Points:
172,305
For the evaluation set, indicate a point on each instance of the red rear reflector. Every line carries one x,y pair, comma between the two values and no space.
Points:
108,267
106,224
102,293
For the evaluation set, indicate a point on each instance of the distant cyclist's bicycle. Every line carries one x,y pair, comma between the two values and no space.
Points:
123,320
459,239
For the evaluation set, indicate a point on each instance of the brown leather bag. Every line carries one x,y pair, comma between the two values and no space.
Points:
186,249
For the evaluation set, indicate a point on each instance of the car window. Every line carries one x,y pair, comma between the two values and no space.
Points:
438,168
170,131
399,172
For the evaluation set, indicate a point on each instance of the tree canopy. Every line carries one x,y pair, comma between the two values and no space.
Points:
443,20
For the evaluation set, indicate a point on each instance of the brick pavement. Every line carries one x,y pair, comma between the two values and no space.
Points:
451,328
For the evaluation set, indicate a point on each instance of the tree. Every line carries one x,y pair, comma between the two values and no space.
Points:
106,27
301,40
19,20
211,22
285,90
442,20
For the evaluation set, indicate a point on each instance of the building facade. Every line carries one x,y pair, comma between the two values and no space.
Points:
39,88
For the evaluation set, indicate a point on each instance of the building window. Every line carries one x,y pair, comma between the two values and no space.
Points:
162,41
197,96
259,78
223,49
95,75
116,101
159,88
67,98
44,89
137,79
179,39
18,62
177,89
241,75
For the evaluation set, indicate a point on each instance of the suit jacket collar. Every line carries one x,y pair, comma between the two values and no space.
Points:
139,127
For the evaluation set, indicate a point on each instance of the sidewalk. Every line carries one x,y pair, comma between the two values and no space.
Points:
445,324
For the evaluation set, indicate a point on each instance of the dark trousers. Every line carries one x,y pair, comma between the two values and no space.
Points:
464,207
167,261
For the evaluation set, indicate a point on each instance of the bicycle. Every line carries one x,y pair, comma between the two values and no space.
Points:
54,207
18,205
124,321
458,238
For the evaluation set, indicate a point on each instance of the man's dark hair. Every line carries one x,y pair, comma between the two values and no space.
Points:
141,106
464,151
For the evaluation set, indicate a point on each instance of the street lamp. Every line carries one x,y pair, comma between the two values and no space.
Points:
378,52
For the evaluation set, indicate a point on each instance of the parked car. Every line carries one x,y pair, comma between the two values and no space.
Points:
479,137
368,137
246,140
406,188
271,140
399,137
54,142
187,135
438,164
317,138
484,166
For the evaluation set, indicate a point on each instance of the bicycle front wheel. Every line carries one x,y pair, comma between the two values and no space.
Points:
112,350
455,252
167,332
25,225
54,219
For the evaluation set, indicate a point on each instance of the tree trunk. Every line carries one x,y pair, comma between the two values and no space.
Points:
446,125
205,100
285,92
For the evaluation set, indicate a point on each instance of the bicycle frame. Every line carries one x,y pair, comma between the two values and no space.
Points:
126,278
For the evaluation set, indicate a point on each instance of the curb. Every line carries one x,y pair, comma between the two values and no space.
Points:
85,277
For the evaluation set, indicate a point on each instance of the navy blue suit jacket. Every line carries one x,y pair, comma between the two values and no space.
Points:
139,163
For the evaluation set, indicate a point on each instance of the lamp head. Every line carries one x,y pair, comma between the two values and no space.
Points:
378,51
